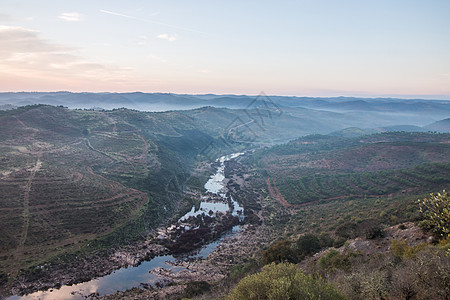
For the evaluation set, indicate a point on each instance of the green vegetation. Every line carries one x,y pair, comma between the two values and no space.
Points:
340,188
308,244
414,272
280,251
401,249
333,261
436,213
283,281
195,288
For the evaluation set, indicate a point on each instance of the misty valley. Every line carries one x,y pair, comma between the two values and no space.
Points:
171,196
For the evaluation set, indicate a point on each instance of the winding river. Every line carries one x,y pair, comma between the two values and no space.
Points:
126,278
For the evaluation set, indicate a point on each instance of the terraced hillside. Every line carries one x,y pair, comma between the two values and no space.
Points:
322,168
69,176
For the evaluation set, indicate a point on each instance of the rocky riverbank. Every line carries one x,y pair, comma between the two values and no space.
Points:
183,236
233,250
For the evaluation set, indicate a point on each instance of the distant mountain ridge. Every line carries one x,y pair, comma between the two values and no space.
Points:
169,101
442,126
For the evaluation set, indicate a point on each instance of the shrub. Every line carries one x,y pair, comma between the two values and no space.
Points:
334,260
339,242
238,271
283,281
374,232
445,245
325,240
346,230
195,288
426,276
280,251
308,244
436,213
401,249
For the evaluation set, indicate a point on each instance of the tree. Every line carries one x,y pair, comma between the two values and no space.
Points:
436,213
283,281
308,244
280,251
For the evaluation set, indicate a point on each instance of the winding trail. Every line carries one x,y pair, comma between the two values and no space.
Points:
26,212
88,144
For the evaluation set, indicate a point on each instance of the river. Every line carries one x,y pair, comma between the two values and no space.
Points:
126,278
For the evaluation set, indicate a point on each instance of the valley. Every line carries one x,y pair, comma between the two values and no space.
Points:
86,193
227,150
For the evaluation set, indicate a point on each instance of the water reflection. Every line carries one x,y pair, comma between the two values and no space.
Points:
126,278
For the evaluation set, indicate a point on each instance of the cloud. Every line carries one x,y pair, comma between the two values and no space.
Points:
168,37
71,16
25,54
21,40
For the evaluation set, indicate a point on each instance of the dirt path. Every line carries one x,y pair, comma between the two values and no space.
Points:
111,120
26,212
88,144
21,123
34,130
275,193
146,147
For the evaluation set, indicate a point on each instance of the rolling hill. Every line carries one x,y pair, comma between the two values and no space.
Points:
321,168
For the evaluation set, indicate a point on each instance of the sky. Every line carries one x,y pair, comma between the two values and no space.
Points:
304,48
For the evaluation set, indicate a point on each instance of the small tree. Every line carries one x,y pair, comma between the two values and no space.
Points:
308,244
280,251
436,213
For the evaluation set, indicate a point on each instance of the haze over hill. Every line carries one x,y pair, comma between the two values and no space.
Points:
337,112
76,180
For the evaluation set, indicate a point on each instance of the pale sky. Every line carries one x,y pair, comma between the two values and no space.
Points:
304,48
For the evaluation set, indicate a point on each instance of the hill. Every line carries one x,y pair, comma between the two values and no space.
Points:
70,176
329,167
417,112
441,126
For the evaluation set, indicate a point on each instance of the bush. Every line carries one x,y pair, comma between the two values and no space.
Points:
426,276
325,240
333,260
238,271
401,249
280,251
308,244
408,272
346,230
436,213
195,288
283,281
374,232
339,242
